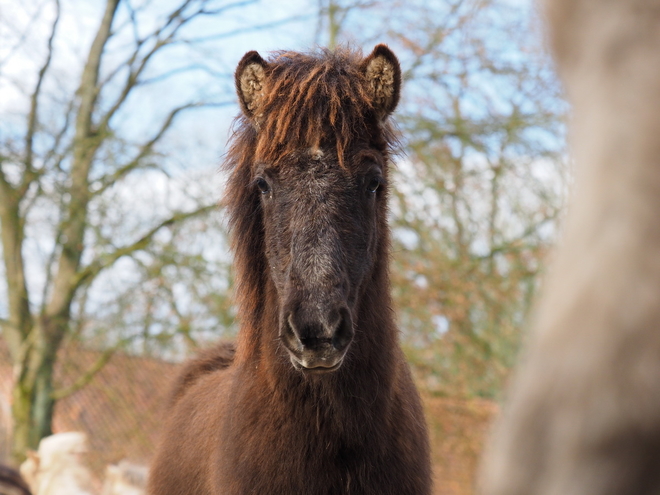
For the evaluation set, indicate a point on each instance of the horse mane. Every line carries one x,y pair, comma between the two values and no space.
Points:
318,99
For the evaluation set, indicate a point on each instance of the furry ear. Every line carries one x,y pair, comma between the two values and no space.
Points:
383,74
250,77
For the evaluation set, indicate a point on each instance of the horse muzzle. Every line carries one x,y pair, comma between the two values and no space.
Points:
316,343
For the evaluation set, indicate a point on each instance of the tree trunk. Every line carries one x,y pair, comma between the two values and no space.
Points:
32,410
36,326
32,394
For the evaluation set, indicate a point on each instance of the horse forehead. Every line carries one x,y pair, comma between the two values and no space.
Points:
319,173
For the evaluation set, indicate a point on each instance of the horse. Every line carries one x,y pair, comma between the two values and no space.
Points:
316,396
583,413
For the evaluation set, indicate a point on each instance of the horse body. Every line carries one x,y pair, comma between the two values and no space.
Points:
362,432
317,397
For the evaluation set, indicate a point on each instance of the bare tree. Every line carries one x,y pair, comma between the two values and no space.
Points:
333,16
64,158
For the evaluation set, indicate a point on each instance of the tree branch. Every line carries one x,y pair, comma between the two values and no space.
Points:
137,65
89,375
130,83
266,25
147,148
105,261
182,70
21,38
85,145
88,90
229,6
33,116
52,153
163,36
12,235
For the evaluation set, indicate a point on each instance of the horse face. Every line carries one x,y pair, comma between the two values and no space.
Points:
321,224
323,218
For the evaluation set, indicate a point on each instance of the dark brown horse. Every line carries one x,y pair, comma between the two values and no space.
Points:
316,397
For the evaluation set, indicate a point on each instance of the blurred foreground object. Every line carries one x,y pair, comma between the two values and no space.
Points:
57,468
583,415
125,478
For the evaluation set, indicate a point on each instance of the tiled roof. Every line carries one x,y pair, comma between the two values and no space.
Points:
120,409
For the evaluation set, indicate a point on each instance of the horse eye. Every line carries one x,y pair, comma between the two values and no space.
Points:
373,185
262,185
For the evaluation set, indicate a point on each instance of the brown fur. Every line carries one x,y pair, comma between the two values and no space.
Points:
11,482
311,250
583,415
210,360
325,87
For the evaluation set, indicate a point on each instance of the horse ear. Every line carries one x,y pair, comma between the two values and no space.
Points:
250,77
383,74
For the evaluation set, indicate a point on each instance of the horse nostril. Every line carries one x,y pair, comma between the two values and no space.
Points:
317,337
343,332
289,337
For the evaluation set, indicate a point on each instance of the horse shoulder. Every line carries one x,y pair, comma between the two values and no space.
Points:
208,361
193,424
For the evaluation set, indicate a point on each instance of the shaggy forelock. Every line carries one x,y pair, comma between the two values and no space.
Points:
314,100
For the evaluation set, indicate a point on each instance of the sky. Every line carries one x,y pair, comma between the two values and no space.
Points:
205,132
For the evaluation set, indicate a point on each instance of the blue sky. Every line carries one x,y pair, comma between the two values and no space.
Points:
200,133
